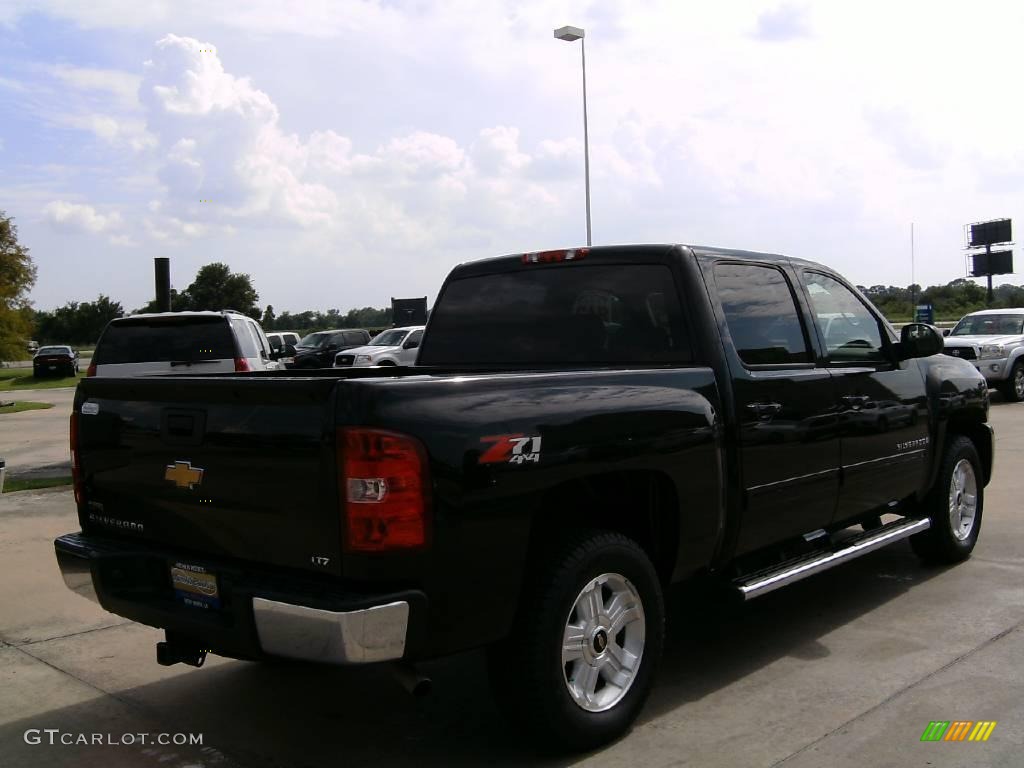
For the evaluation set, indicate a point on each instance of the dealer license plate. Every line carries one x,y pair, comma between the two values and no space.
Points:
195,586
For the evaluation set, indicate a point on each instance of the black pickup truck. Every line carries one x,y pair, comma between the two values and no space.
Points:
584,428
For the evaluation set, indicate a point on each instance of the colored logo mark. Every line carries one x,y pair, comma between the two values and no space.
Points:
958,730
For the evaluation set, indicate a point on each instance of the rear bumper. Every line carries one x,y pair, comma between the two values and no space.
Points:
260,615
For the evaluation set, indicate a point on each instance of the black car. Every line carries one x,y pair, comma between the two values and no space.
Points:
55,361
317,350
583,429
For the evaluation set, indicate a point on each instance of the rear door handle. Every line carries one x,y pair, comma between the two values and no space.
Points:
764,410
855,401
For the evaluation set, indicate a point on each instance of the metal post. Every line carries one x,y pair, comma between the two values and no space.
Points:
988,250
913,291
586,136
162,275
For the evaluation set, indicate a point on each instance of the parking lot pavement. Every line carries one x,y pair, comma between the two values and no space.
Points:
845,669
35,443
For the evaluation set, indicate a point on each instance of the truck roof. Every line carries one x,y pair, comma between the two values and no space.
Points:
638,250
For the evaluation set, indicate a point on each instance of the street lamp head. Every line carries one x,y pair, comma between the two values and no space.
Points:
569,34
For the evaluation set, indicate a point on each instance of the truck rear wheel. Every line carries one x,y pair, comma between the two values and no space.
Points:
581,659
954,506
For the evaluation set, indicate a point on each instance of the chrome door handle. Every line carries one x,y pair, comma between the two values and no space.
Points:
764,410
855,401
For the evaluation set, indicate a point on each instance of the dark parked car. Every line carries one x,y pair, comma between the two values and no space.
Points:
583,429
56,360
317,350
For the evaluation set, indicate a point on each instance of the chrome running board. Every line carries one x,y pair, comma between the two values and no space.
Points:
769,579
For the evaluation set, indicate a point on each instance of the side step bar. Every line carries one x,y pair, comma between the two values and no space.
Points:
769,579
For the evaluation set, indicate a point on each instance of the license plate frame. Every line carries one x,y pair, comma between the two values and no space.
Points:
194,585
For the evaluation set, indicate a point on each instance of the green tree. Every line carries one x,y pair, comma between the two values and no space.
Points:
17,276
76,323
268,318
216,288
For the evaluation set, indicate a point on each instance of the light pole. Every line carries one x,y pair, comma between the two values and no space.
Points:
571,34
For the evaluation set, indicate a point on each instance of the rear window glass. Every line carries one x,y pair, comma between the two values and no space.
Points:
548,315
150,341
246,342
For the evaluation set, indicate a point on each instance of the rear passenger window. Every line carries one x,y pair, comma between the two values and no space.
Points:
355,337
762,315
246,342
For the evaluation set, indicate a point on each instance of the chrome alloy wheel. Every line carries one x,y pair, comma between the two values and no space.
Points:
603,642
963,499
1018,382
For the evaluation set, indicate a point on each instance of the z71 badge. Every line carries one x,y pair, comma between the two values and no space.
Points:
511,449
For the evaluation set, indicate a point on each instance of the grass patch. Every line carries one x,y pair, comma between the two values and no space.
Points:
14,484
22,378
24,405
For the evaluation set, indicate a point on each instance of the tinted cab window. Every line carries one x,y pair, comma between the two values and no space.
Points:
570,315
762,315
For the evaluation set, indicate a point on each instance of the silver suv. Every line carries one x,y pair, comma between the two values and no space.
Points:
993,340
182,343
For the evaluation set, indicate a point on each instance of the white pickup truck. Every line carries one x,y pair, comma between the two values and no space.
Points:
993,340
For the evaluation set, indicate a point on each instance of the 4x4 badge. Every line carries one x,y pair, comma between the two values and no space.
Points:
183,474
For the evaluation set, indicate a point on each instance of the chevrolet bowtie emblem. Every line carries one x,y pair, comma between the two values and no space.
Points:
183,474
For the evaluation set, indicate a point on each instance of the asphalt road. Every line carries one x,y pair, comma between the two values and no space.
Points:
844,670
35,443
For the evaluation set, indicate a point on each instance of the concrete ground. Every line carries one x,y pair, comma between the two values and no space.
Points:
843,670
35,443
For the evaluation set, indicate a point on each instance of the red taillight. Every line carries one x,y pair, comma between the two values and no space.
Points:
384,490
242,365
552,257
76,466
91,370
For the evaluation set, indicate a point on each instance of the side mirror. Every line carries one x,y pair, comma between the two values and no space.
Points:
410,345
919,340
945,331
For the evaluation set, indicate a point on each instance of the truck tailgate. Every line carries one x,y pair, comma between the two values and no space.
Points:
237,467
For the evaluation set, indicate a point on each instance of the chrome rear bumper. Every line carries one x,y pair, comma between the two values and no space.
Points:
351,637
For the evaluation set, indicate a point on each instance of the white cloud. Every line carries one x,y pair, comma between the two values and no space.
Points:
79,218
787,22
124,86
347,133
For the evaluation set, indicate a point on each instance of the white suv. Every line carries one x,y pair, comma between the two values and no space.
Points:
181,343
395,346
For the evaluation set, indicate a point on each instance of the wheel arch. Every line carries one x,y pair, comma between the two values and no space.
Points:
640,504
979,433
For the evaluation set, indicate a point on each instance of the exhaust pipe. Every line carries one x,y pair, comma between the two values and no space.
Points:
416,684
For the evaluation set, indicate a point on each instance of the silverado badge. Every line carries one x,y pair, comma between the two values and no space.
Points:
183,474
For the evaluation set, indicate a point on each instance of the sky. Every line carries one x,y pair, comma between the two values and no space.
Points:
342,153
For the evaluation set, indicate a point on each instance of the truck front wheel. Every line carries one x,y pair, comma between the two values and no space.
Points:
954,506
582,656
1013,387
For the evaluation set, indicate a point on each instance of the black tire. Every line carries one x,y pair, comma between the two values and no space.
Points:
386,363
940,544
528,676
1012,389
